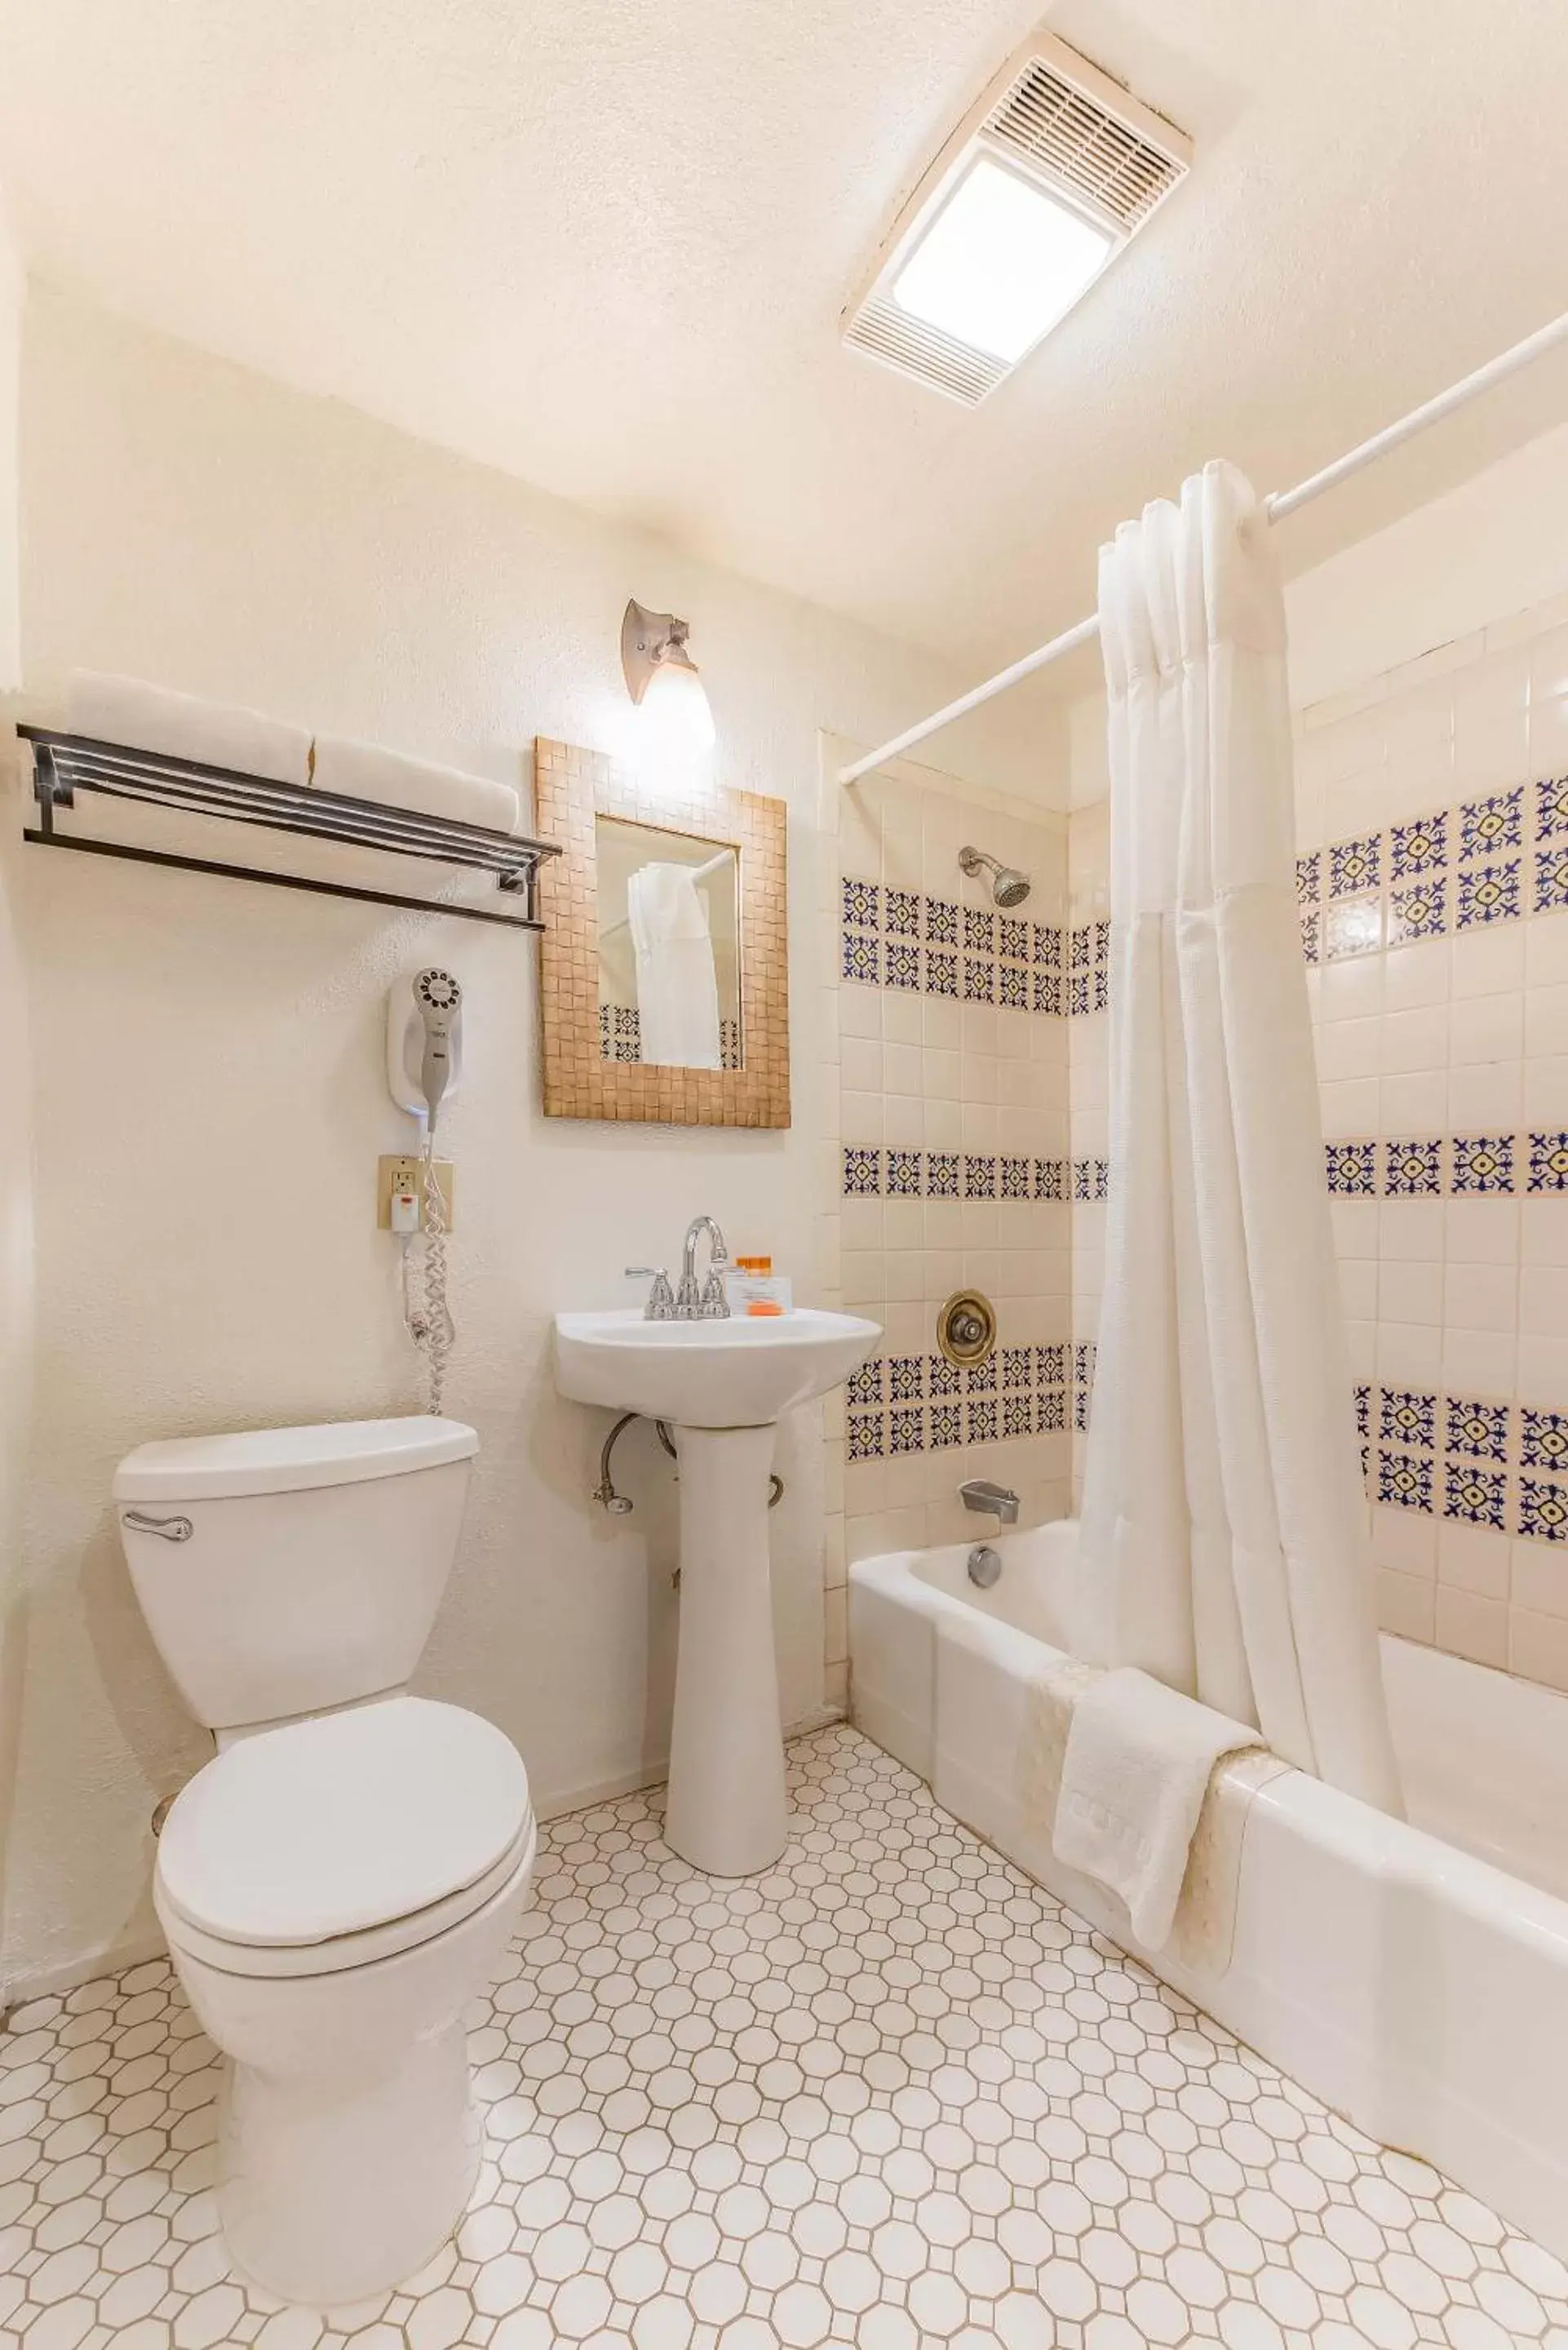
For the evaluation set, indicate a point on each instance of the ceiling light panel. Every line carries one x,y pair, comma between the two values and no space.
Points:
1039,188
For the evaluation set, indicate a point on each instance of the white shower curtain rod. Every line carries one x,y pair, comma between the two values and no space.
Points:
1283,503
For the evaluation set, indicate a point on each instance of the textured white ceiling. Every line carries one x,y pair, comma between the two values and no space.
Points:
606,245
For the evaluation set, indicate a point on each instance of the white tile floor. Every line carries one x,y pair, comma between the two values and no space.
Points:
888,2096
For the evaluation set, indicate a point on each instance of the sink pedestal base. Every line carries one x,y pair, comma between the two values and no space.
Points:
727,1813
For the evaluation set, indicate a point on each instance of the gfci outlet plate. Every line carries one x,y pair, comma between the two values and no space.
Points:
408,1175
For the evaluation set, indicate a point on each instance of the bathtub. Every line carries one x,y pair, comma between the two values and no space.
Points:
1415,1977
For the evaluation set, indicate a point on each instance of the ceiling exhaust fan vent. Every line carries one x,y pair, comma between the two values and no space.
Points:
1056,156
1045,122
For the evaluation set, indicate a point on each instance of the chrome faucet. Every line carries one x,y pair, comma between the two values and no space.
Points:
689,1301
711,1302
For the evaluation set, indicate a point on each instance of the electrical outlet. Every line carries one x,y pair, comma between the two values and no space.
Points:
406,1173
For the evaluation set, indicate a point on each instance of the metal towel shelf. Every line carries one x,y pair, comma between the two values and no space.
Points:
64,764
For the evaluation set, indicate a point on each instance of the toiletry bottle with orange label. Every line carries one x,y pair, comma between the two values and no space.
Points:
755,1288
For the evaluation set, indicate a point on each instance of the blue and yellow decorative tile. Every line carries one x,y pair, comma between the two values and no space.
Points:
1543,1439
902,963
1412,1170
863,1388
1018,1367
907,1431
1550,808
1486,826
979,980
1404,1481
1478,1429
1012,987
980,1378
980,1419
862,904
1551,881
1050,1411
1352,1168
1311,935
1354,865
1014,1177
978,931
1051,1363
1047,939
1421,911
901,913
943,1377
944,1174
941,922
1483,1162
862,959
868,1436
944,1425
1543,1510
1050,1178
906,1174
1354,926
1018,1415
1478,1496
1408,1417
1489,893
1013,939
1048,992
942,971
905,1378
862,1172
1080,994
1309,878
1418,848
979,1176
1548,1163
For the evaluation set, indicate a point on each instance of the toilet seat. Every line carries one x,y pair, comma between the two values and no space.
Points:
329,1843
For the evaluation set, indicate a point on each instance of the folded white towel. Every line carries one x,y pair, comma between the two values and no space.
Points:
676,990
151,718
364,771
1137,1768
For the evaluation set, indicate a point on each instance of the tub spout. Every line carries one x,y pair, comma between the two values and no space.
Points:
993,1500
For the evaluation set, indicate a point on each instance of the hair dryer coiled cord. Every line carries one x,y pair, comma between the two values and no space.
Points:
429,1317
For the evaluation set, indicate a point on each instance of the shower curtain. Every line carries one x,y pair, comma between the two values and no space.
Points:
1223,1512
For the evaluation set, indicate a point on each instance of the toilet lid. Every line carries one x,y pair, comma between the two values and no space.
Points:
327,1826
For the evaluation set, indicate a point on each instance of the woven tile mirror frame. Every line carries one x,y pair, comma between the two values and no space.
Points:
572,787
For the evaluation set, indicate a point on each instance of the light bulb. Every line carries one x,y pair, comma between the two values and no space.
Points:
675,722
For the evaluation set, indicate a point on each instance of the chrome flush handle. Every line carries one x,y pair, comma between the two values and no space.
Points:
166,1529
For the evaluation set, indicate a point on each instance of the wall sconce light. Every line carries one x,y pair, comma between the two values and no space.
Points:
662,679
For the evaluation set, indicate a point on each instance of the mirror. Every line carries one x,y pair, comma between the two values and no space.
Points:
669,946
664,954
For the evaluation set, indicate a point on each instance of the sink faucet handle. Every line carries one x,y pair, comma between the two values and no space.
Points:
715,1304
660,1305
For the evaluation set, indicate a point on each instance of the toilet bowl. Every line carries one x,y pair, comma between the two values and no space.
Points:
342,1879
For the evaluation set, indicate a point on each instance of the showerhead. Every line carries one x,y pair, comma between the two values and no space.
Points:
1009,887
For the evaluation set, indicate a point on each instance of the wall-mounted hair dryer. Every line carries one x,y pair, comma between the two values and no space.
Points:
424,1069
424,1042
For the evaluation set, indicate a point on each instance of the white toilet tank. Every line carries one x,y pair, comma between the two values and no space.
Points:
290,1569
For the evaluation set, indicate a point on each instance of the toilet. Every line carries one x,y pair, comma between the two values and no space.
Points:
344,1876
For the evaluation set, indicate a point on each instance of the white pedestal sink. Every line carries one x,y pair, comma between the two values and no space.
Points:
722,1386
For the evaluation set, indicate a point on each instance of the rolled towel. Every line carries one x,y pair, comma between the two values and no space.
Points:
1137,1768
364,771
181,726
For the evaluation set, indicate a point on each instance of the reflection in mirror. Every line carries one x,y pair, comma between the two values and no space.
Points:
668,940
